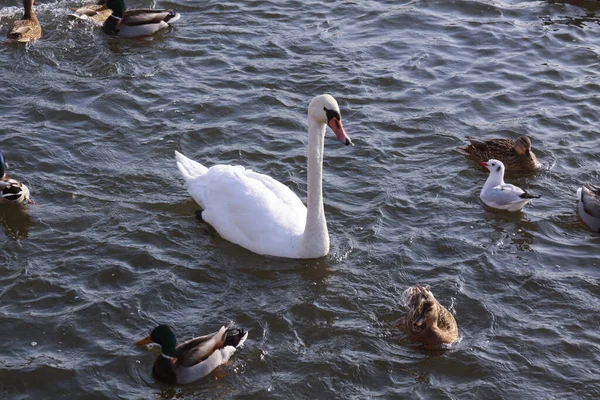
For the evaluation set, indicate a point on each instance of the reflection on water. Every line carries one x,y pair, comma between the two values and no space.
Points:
15,220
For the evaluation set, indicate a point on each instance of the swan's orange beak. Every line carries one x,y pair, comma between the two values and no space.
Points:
483,164
337,127
145,340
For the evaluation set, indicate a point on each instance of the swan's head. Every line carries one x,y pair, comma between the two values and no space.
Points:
494,166
325,109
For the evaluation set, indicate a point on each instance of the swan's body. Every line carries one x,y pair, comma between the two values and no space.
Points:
504,196
588,198
137,22
261,214
427,321
195,358
28,28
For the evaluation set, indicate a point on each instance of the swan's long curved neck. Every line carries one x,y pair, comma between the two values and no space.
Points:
316,237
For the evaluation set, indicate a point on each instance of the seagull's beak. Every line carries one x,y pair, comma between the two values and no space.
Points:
145,340
483,164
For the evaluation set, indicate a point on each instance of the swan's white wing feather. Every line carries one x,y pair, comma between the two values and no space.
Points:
251,209
247,208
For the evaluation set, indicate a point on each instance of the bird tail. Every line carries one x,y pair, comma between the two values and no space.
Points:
235,337
526,195
172,17
190,169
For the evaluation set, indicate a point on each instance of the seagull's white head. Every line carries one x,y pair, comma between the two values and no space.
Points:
494,166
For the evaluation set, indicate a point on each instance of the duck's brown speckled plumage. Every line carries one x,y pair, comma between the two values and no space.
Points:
516,155
28,28
427,321
98,12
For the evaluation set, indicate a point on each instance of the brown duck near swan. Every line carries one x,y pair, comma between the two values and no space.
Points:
516,155
427,321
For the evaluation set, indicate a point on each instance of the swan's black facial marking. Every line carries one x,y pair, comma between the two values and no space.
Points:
332,114
498,169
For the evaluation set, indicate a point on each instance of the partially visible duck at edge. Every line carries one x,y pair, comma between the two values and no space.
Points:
137,22
516,155
27,28
11,190
588,198
97,12
195,358
427,321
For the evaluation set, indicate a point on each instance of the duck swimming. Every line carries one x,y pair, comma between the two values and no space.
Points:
137,22
11,190
516,155
195,358
588,198
427,321
98,12
27,28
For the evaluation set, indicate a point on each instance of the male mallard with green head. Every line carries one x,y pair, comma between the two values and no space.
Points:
28,28
427,321
195,358
516,155
139,22
11,190
588,198
98,12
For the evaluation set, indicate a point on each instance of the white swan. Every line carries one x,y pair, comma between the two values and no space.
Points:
261,214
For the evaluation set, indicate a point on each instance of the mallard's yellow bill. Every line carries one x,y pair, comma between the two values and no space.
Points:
145,340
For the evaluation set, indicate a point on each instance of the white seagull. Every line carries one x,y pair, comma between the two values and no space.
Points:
504,196
588,197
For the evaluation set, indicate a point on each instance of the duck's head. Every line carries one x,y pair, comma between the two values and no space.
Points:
117,7
324,109
494,166
523,147
429,313
163,335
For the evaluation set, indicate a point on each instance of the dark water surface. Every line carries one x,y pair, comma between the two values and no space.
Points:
91,122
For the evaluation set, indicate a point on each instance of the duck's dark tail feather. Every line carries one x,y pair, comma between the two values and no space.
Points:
172,17
529,196
234,336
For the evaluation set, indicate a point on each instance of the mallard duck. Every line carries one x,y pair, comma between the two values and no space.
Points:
516,155
11,190
98,12
139,22
588,205
28,28
427,321
195,358
503,196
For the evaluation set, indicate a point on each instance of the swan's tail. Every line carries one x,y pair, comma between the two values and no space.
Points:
190,169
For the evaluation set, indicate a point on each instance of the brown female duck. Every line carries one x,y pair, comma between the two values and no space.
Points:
98,12
516,155
427,321
195,358
28,28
